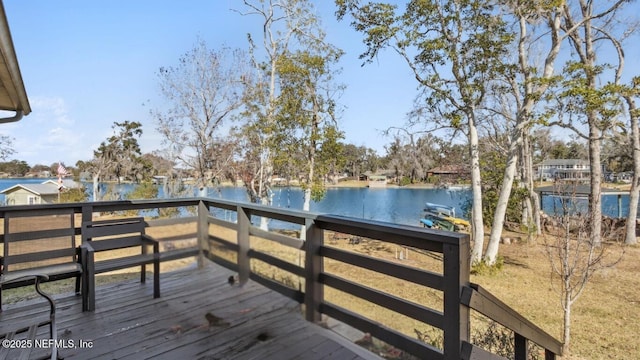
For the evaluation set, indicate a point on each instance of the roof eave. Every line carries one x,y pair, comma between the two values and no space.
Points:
13,95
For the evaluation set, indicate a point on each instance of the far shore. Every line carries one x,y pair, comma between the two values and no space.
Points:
363,184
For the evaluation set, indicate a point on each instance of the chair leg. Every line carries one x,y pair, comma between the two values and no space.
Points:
89,273
78,278
53,331
156,279
90,295
143,273
84,292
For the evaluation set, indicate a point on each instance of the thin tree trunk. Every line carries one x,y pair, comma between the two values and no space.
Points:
533,199
634,192
566,272
595,209
503,202
524,180
477,225
566,324
532,204
96,187
306,206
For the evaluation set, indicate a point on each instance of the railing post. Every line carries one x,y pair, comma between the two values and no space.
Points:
314,266
87,212
244,244
549,355
203,232
521,351
456,315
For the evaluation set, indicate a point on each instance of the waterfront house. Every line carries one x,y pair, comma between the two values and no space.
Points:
564,169
450,174
31,194
380,178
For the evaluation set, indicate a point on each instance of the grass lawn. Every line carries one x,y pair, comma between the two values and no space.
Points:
605,319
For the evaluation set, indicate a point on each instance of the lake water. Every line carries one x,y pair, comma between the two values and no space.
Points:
396,205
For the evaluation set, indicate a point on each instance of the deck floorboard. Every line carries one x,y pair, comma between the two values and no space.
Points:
128,323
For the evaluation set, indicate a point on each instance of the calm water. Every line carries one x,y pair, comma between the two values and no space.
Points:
397,205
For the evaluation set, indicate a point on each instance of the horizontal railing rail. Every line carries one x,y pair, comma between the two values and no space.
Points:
482,301
453,282
459,296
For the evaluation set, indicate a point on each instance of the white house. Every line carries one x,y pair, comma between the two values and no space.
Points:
564,169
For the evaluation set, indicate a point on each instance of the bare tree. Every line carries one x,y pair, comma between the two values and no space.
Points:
203,92
6,147
573,256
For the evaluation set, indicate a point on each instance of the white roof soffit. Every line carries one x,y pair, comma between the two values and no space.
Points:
13,96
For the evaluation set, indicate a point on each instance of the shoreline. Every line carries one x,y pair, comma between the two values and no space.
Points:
342,184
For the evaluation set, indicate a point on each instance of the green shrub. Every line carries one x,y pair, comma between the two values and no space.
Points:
405,180
74,195
144,190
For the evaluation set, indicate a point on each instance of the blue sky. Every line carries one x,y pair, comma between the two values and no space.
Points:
86,64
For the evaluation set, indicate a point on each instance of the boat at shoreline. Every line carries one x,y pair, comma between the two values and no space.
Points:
444,210
438,216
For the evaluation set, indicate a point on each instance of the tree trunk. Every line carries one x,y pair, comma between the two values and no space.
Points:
595,201
566,324
634,192
503,202
96,187
264,221
524,175
532,202
477,225
165,188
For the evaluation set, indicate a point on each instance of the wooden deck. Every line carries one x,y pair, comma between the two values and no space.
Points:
129,323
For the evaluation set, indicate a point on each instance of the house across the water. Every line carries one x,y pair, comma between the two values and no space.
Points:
449,174
30,194
564,169
376,181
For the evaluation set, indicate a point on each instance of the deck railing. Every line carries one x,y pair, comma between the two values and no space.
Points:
459,296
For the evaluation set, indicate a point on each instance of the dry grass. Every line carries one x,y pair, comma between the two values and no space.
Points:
606,319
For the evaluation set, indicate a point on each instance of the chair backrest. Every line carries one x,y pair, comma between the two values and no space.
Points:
38,238
128,228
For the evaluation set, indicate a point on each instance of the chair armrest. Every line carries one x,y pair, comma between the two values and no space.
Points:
86,247
148,239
